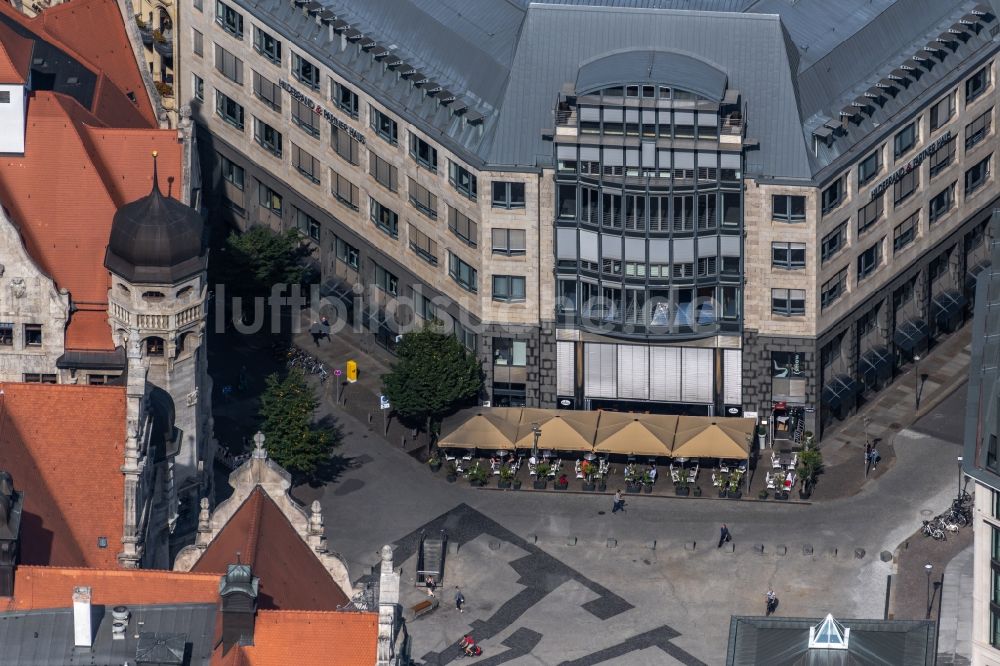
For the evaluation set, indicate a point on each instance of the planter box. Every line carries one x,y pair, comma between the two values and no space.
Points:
633,488
590,487
540,485
503,484
452,478
682,492
781,496
647,489
602,487
697,491
723,493
561,486
804,495
435,468
734,495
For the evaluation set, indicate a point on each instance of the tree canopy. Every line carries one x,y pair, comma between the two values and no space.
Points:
257,259
287,407
432,375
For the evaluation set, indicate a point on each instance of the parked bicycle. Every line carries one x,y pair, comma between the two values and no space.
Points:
932,530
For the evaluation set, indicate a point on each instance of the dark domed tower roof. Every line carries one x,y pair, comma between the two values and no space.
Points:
156,239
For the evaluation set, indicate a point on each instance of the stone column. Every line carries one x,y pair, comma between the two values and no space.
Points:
388,609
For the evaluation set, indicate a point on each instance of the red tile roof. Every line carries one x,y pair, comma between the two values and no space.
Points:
307,638
64,445
37,588
15,56
291,576
88,331
93,32
64,191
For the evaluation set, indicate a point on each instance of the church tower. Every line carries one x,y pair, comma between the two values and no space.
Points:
157,257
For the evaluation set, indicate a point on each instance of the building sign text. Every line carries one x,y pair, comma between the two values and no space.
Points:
320,111
912,164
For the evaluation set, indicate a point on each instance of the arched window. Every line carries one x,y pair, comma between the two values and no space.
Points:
185,292
152,296
154,346
123,289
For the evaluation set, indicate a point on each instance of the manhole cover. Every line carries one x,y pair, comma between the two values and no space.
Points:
926,512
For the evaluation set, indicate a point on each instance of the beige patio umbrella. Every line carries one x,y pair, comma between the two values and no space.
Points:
712,437
561,430
481,428
635,434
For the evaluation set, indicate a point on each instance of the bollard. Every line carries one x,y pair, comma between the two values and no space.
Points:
533,538
612,543
859,553
781,550
729,547
759,548
452,547
571,541
369,417
885,556
807,550
831,552
494,545
690,545
651,545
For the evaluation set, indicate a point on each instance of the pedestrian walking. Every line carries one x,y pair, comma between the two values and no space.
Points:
429,581
875,459
459,599
316,331
619,504
772,602
724,535
325,327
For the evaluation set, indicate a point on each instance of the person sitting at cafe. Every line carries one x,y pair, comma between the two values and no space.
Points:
652,473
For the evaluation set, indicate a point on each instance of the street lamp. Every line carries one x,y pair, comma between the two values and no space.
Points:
959,478
534,447
916,382
928,567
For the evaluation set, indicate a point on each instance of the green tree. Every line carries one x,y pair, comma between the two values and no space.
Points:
255,260
432,375
287,407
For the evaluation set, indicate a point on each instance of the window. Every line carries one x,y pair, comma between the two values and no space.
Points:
344,190
307,165
424,307
905,186
941,203
510,352
869,167
870,214
101,380
978,129
942,111
788,302
463,227
347,253
35,378
6,334
507,194
230,20
508,288
869,260
462,273
423,245
33,335
199,87
943,157
266,45
229,65
464,335
267,91
197,5
905,233
788,208
462,180
305,118
305,71
566,203
385,173
788,255
385,219
268,137
386,281
833,242
977,175
904,140
424,154
976,84
833,289
833,195
707,266
384,126
232,172
197,42
269,199
344,98
227,109
510,242
422,199
344,144
307,224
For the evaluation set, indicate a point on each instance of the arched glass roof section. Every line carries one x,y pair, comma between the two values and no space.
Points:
662,68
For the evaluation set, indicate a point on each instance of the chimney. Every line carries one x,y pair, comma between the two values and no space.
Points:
238,590
11,505
82,634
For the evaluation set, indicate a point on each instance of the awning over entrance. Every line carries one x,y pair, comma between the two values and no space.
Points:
947,304
875,364
910,334
840,391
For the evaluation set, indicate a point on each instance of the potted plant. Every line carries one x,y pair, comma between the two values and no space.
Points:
477,477
516,483
562,483
506,477
808,439
542,475
647,483
602,484
434,462
762,495
810,464
697,491
451,470
734,491
761,435
681,488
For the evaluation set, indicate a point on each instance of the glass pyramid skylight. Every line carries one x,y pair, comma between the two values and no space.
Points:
828,634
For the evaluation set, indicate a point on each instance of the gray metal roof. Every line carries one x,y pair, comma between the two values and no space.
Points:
779,641
43,638
656,67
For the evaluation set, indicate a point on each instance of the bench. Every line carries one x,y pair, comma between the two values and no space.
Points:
423,608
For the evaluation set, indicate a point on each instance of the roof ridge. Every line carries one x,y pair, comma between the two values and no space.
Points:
253,530
293,611
111,570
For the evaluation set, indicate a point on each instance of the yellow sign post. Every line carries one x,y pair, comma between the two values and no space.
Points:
352,371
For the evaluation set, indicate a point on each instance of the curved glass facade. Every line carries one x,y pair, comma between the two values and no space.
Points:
649,213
